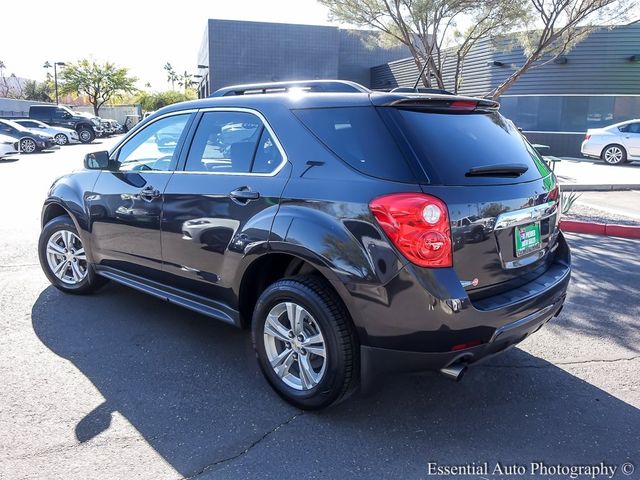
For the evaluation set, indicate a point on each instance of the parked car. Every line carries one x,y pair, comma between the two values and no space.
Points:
616,144
88,127
8,146
29,141
107,128
325,227
62,136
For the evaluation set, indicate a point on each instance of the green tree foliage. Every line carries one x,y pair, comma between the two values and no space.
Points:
156,100
99,82
41,92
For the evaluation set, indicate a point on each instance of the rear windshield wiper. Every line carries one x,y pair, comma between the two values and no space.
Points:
498,170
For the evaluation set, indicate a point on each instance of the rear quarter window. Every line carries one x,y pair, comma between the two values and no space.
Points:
359,137
448,145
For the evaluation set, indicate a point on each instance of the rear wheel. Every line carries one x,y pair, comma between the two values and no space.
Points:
614,155
28,145
64,260
86,135
61,139
305,342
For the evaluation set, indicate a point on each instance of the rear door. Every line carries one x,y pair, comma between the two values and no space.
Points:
502,198
219,209
631,135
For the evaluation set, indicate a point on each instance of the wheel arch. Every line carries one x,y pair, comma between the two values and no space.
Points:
612,144
281,263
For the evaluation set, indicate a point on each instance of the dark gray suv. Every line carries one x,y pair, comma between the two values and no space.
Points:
330,224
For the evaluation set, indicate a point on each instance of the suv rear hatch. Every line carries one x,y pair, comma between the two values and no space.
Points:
502,200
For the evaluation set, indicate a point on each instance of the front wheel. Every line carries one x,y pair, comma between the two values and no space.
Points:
86,135
28,145
614,155
305,342
61,139
64,260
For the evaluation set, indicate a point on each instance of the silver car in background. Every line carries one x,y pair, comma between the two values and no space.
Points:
62,136
615,144
8,146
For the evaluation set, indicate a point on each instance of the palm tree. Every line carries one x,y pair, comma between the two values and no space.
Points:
172,76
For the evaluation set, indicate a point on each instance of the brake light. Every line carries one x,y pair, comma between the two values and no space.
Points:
463,105
587,136
418,225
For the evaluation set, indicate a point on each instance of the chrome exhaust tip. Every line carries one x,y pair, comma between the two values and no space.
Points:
454,372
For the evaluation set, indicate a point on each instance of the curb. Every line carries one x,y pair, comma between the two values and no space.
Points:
609,229
574,187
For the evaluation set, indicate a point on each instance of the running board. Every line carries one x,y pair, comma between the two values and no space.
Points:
170,294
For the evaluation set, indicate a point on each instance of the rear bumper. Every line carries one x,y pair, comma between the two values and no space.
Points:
436,337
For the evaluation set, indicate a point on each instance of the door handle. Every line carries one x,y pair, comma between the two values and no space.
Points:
149,193
244,195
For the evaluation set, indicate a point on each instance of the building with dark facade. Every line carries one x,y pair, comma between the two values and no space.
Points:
239,52
595,84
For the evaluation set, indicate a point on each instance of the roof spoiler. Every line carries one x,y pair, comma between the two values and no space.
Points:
327,86
445,103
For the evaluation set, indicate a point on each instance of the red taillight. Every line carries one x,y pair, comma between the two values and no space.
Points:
587,136
463,346
418,225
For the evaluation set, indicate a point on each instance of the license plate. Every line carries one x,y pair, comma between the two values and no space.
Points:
527,238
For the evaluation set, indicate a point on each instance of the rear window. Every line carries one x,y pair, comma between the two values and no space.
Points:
359,137
448,145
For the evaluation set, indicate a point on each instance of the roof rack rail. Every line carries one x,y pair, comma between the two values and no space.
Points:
327,86
421,90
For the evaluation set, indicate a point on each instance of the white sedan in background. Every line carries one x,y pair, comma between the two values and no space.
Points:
615,144
61,135
7,146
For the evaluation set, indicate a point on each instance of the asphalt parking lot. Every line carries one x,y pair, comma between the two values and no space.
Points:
122,385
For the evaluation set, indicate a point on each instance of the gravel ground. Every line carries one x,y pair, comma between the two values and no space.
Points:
584,213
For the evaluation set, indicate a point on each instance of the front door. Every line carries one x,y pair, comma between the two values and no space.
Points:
126,207
220,208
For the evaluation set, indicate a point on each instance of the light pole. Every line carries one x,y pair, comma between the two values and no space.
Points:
55,76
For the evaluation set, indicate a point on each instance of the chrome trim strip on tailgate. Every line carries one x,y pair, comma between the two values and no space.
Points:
526,215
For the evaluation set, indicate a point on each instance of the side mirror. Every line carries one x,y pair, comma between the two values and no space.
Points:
96,160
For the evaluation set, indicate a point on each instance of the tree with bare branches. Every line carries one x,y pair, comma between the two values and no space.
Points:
558,26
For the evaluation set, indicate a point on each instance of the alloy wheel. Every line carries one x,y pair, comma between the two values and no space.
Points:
66,257
27,145
61,139
613,155
85,136
295,346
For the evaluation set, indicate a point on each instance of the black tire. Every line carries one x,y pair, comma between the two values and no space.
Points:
61,139
91,280
28,145
341,372
86,135
614,154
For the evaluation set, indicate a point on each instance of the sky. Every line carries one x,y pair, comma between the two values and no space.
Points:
140,35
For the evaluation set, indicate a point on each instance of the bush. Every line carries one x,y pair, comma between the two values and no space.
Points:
156,100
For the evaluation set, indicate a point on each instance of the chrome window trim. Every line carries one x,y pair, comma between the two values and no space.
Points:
266,124
135,131
525,215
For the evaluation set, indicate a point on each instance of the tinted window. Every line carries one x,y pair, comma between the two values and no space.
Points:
633,128
449,145
154,147
360,138
232,142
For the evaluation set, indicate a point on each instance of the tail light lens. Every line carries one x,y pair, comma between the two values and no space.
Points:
418,225
587,136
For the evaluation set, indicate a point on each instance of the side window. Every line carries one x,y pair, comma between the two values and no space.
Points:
232,142
634,128
268,157
153,147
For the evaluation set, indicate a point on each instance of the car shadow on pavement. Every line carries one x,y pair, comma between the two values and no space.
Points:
192,388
